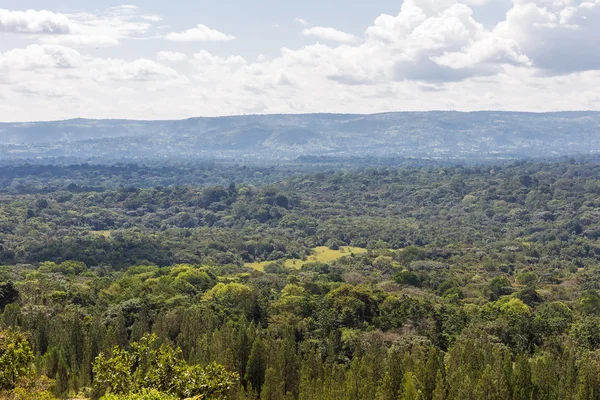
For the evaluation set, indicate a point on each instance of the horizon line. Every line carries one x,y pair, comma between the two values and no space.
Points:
300,115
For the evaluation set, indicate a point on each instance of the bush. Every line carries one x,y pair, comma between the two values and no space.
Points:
143,395
147,371
16,358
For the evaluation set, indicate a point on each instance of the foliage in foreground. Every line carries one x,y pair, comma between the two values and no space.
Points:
145,394
17,375
161,369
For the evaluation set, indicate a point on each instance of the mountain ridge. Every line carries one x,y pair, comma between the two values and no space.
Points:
302,114
450,134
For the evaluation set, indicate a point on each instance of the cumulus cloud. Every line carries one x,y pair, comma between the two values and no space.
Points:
431,54
429,44
489,49
437,41
558,37
138,70
210,67
200,33
204,58
54,63
40,56
32,21
109,27
302,21
171,56
330,34
105,28
441,41
47,90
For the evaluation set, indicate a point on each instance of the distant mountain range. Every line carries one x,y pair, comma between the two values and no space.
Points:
436,135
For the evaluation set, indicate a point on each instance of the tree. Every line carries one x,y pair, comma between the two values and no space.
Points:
409,388
407,278
8,294
498,286
522,386
588,385
16,359
256,368
526,278
62,374
590,303
146,367
230,298
439,393
384,390
273,387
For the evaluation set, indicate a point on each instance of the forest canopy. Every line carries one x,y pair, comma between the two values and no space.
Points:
441,282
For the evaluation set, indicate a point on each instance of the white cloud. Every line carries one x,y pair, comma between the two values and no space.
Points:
558,38
123,9
171,56
65,67
205,58
433,54
302,21
40,56
330,34
200,33
31,21
476,2
431,41
106,28
81,40
138,70
490,49
152,18
210,67
46,90
117,24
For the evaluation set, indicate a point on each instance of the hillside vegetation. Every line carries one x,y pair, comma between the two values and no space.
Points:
443,283
484,135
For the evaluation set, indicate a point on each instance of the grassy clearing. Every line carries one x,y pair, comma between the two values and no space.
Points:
320,254
104,234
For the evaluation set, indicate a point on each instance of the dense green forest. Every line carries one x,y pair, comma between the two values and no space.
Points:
473,282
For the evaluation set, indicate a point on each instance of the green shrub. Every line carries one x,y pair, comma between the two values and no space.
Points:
152,394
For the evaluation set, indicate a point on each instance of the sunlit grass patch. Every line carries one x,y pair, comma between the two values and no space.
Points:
104,234
320,254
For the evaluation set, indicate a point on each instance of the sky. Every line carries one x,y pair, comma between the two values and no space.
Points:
170,60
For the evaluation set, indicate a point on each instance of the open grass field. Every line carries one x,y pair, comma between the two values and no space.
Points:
320,254
105,234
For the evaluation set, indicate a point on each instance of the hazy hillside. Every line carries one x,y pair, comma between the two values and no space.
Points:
407,134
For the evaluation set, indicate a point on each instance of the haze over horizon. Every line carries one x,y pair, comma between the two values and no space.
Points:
147,60
298,114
